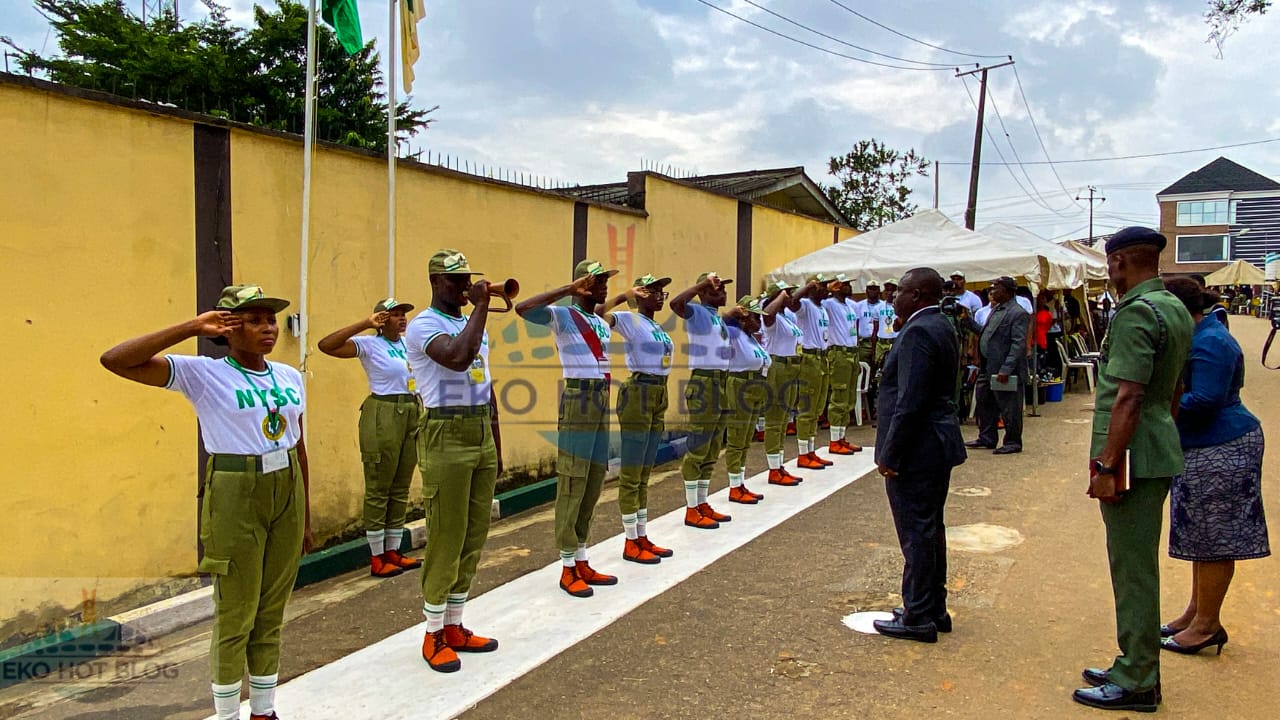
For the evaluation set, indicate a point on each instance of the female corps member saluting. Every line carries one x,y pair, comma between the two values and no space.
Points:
459,450
388,423
255,521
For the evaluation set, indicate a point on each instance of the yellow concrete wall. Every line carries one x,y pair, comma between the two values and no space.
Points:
97,231
779,237
97,227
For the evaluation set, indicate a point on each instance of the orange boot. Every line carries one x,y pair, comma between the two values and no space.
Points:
813,454
837,447
694,518
461,639
395,558
633,551
574,585
380,566
850,446
809,461
658,550
591,577
756,495
779,476
709,512
439,656
741,495
788,474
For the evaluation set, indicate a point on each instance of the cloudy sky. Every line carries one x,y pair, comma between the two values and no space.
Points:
583,90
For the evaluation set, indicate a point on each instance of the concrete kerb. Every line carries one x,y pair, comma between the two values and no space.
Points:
134,627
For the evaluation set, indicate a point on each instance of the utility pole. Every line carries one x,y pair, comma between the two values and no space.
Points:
935,184
1092,199
971,210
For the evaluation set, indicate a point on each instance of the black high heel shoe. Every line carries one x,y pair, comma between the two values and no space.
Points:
1169,631
1219,638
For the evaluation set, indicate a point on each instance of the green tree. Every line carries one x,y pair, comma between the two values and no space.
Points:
871,183
255,75
1226,16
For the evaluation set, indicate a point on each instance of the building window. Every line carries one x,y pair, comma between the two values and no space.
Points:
1204,212
1203,248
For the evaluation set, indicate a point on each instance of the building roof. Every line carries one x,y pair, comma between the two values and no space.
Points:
789,189
1221,175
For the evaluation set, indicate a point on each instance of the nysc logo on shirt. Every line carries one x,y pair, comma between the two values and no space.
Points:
250,397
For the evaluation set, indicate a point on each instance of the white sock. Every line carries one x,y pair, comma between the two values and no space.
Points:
262,694
804,446
837,433
434,615
813,444
394,538
581,554
760,424
629,523
567,558
376,538
775,460
642,519
691,493
735,479
226,701
453,608
703,487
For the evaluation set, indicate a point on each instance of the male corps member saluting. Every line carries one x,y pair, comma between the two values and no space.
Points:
255,519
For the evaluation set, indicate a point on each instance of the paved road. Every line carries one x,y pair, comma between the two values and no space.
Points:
758,633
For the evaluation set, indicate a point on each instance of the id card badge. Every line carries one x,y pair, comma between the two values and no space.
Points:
476,373
411,384
666,362
275,460
799,349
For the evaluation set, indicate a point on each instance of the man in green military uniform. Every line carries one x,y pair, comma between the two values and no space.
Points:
1134,454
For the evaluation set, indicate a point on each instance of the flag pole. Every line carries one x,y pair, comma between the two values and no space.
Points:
308,145
391,147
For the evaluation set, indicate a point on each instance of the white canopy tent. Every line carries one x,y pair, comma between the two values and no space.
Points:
930,239
1095,259
1072,269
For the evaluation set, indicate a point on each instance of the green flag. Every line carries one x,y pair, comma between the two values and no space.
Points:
344,16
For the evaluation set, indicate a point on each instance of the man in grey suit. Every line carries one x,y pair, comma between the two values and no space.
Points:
1003,346
918,442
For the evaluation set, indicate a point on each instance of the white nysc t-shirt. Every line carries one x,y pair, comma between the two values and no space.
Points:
812,319
782,339
748,354
235,405
842,320
437,385
708,338
576,357
649,348
385,363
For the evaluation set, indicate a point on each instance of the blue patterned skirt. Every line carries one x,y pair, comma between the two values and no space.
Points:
1215,510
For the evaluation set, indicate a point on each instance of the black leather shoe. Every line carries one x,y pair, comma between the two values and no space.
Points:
942,623
1097,677
894,628
979,444
1110,696
1007,450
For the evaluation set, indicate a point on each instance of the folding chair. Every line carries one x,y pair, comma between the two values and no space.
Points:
864,384
1075,363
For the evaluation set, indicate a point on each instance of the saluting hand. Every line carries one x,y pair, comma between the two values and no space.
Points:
216,322
583,287
379,319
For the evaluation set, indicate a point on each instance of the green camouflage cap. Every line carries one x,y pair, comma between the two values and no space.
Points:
777,286
840,277
708,274
647,280
872,283
891,281
591,267
819,277
450,262
391,304
751,304
248,297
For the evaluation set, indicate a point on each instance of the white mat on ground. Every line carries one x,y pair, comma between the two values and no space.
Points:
534,620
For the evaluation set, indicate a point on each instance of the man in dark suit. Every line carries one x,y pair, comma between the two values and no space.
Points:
918,442
1003,347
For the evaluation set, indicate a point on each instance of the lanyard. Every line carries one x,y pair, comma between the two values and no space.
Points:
668,346
404,353
272,425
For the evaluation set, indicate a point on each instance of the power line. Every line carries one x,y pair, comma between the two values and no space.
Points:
1128,157
1000,152
1021,166
908,37
784,18
1031,117
771,31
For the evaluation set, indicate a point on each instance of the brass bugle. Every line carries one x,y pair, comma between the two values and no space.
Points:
507,291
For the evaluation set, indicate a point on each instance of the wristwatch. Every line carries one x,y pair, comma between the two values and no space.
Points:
1100,469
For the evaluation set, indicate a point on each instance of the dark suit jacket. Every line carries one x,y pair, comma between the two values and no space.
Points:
1004,341
917,428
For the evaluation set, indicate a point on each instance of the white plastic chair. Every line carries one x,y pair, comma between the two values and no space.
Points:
864,384
1069,363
